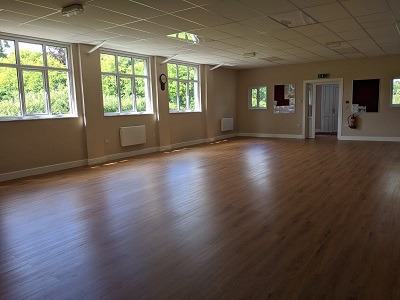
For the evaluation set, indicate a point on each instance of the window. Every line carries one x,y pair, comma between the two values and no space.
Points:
35,80
395,101
183,88
258,97
125,84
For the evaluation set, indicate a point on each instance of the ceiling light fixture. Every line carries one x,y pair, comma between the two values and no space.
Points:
72,10
249,54
333,44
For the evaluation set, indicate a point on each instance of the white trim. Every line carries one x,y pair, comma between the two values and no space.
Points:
42,170
165,148
370,138
186,144
221,137
268,135
131,153
96,161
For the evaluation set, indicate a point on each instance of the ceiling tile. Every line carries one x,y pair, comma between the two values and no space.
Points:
232,10
362,43
54,4
176,22
212,34
270,7
105,15
44,23
26,8
5,25
280,45
353,35
34,31
395,7
151,27
127,31
237,41
355,55
15,17
312,30
365,7
261,38
302,42
390,30
202,16
343,25
263,24
308,3
326,38
217,45
286,34
166,6
295,51
327,12
235,29
81,20
129,8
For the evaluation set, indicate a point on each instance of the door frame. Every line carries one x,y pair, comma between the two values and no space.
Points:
314,84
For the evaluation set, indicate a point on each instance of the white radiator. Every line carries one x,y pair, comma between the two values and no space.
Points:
132,135
226,124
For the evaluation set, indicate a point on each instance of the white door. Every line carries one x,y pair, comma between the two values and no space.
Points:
329,108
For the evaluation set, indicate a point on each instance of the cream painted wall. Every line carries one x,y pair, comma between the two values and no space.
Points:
382,124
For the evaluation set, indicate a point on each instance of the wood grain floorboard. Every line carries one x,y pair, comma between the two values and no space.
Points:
239,219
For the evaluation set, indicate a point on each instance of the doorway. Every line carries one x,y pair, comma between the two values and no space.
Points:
322,109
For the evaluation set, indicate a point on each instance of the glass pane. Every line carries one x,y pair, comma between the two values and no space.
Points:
192,73
140,67
56,56
9,96
124,65
171,70
35,101
31,54
110,95
396,91
141,93
289,91
254,98
107,63
182,95
172,95
59,93
263,96
182,72
192,101
125,87
7,52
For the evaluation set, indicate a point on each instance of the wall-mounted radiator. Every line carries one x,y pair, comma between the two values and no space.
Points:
226,124
132,135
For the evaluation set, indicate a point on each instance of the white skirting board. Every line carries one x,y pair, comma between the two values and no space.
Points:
132,135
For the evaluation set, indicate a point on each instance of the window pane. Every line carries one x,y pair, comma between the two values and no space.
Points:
140,67
7,52
125,85
141,91
192,73
56,56
263,96
124,65
35,101
59,92
31,54
182,95
396,91
110,95
171,70
192,102
172,95
254,98
9,96
182,72
107,63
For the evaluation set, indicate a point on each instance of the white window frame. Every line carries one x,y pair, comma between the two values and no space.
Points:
149,102
258,97
391,91
44,69
196,83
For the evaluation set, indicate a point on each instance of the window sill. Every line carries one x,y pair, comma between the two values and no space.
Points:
184,111
127,114
30,118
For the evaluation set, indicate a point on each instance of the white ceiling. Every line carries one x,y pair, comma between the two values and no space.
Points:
228,28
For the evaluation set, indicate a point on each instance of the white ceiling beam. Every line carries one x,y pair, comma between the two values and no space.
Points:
168,59
217,66
96,47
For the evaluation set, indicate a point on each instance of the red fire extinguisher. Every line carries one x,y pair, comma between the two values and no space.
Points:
352,120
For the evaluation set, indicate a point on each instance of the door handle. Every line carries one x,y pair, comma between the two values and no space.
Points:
333,110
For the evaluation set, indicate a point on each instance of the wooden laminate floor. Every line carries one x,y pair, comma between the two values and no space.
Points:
240,219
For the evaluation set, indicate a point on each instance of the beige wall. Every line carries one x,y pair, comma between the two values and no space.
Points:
382,124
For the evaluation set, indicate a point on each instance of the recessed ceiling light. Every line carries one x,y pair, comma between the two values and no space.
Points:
72,10
293,18
333,44
249,54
